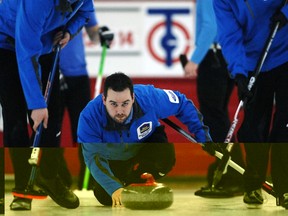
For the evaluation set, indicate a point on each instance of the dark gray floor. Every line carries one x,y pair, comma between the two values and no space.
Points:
185,203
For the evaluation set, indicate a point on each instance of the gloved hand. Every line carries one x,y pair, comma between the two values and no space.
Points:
211,147
106,36
279,17
242,83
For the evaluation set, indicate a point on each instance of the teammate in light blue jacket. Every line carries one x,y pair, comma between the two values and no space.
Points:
243,28
214,88
117,127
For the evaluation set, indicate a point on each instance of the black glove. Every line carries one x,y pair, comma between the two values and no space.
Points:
242,83
279,17
210,148
106,36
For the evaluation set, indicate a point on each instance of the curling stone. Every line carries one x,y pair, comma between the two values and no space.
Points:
147,196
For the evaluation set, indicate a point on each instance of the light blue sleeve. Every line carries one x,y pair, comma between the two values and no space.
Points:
94,156
206,29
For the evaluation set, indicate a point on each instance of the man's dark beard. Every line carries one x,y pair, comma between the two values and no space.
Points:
116,119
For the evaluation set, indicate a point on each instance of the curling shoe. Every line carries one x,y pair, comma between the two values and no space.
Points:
253,199
60,193
2,206
20,204
284,201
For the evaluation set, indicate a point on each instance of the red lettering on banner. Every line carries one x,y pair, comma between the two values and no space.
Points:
126,38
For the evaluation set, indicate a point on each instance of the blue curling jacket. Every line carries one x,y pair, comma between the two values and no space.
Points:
243,28
28,27
103,140
72,57
206,30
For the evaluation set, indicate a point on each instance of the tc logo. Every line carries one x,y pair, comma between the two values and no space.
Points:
169,40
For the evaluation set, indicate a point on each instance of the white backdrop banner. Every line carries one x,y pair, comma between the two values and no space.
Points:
149,37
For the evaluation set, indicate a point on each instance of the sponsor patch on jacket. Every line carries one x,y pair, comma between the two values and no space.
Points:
144,129
172,96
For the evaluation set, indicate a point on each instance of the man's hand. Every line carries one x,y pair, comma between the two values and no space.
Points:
106,36
116,198
39,115
61,38
191,69
242,83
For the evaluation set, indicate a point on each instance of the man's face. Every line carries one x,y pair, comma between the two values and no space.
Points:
118,104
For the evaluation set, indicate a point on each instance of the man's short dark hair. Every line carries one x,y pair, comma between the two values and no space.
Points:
118,82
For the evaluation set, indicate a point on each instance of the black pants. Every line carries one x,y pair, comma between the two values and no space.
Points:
270,87
257,132
279,167
14,111
257,155
257,158
75,94
156,157
14,107
50,163
214,88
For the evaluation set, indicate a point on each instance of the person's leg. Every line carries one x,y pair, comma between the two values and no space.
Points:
257,156
101,195
279,132
77,96
50,181
279,171
63,170
214,88
16,134
157,157
254,132
49,163
48,177
22,170
258,111
14,109
51,135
